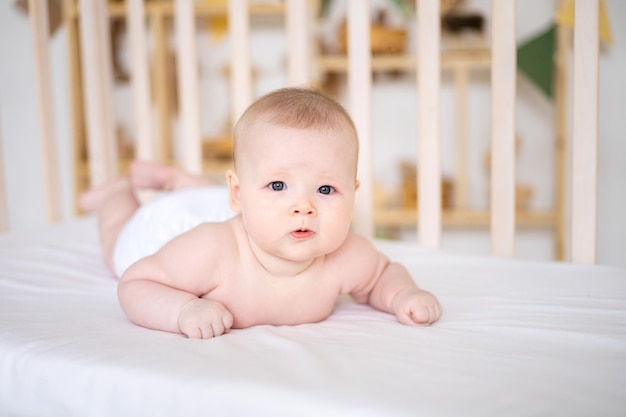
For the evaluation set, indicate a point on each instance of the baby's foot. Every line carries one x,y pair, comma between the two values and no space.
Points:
91,200
156,176
152,175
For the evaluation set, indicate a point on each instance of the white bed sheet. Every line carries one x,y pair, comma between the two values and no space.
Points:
516,339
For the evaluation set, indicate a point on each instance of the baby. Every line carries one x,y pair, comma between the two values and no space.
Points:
285,252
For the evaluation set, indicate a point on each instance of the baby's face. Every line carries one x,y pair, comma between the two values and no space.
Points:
296,190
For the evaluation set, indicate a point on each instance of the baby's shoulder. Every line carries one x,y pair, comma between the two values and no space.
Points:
357,264
356,244
356,251
217,237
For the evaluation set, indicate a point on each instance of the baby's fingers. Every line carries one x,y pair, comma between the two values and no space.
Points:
204,331
416,315
420,313
192,331
219,325
216,326
204,319
227,321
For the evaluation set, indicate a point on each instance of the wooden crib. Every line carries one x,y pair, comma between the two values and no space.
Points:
93,118
516,337
95,68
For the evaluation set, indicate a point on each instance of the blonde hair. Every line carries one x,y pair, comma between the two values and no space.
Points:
299,108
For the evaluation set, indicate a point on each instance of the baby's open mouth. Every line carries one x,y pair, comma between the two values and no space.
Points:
302,233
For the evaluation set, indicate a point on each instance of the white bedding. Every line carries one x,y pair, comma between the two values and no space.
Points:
516,339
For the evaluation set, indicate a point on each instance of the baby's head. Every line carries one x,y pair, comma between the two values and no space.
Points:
297,108
295,173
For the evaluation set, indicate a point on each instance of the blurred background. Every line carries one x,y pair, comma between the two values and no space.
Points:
465,123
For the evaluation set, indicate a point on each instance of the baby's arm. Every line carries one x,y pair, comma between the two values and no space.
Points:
388,286
395,292
163,291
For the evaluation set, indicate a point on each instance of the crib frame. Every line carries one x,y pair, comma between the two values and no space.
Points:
97,104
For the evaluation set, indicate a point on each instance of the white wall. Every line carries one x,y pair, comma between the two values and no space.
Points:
19,120
394,127
612,152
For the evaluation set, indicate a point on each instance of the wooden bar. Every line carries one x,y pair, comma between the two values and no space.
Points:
201,8
503,72
585,131
298,51
162,91
240,67
140,78
461,186
38,10
97,92
75,80
479,58
563,41
106,78
187,61
359,88
429,158
461,218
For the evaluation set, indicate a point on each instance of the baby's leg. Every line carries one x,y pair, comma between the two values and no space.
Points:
156,176
114,203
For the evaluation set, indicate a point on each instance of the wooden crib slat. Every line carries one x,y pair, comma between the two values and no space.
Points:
240,67
38,10
187,64
106,71
162,76
428,84
140,81
95,57
563,42
461,189
297,42
503,71
585,131
359,87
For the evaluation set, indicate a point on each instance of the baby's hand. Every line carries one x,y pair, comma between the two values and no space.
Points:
416,307
202,319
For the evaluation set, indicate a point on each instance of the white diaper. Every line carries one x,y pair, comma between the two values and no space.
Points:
157,222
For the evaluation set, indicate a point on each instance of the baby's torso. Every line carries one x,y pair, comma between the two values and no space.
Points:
263,299
254,295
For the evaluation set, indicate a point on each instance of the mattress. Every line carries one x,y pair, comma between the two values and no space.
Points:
517,338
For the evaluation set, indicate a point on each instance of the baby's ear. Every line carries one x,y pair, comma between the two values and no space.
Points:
233,190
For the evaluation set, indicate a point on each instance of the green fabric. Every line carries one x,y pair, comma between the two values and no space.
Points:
535,59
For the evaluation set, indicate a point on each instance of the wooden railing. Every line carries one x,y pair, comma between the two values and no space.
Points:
94,50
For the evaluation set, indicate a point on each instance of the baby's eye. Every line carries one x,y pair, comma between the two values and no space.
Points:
326,189
277,185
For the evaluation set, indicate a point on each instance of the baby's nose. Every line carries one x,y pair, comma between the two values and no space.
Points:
304,208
